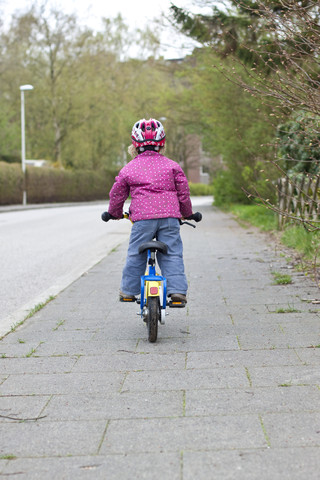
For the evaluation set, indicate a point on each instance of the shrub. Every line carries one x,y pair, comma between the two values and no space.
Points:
226,189
299,143
50,185
46,185
11,179
198,189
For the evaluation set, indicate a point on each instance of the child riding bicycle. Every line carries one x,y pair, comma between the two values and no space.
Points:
160,196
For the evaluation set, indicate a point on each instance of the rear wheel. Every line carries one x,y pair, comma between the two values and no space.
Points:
153,318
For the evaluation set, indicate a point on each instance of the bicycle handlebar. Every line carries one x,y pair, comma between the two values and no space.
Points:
197,217
105,216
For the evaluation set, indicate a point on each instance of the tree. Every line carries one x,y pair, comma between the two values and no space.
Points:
41,48
57,44
275,42
86,95
299,144
272,52
231,123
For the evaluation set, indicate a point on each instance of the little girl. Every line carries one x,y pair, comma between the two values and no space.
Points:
160,196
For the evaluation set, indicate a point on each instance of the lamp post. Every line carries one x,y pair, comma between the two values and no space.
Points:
23,88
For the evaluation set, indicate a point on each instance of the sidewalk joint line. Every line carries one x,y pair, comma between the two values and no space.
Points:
124,379
295,351
181,465
76,360
46,404
248,376
103,437
267,439
183,403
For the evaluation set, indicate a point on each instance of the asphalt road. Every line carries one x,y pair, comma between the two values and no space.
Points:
44,250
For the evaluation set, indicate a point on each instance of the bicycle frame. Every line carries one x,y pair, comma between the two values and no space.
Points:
153,285
153,300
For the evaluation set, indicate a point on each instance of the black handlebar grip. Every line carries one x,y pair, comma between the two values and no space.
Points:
197,217
105,216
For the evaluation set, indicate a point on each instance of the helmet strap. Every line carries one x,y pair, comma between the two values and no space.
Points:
153,148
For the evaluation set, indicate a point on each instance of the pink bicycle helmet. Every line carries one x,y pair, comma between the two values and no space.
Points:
148,132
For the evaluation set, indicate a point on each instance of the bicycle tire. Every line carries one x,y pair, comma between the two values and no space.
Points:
153,318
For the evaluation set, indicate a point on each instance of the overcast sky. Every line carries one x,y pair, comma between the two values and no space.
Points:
136,13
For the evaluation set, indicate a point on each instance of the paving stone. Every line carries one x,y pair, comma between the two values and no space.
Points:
252,400
50,384
254,341
217,317
115,406
34,365
12,350
296,303
186,379
22,407
247,358
176,434
279,322
300,429
113,467
78,348
310,356
304,326
130,361
3,464
187,344
230,390
37,439
211,330
261,299
284,375
278,464
52,335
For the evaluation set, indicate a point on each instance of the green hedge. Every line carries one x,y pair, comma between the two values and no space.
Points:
46,185
227,189
10,183
49,185
199,189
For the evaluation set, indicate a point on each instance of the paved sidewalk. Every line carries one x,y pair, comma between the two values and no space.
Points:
229,391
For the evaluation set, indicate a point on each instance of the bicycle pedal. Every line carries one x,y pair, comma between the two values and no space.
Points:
176,304
128,300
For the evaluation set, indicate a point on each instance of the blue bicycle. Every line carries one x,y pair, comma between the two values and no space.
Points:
153,295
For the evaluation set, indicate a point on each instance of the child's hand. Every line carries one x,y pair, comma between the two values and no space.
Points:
106,216
197,217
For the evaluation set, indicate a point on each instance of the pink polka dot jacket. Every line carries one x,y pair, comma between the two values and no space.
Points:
157,185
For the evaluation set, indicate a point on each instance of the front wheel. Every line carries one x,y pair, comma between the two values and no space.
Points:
153,318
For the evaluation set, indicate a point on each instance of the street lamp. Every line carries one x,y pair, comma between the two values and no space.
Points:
23,88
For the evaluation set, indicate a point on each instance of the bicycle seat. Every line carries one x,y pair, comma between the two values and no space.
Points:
153,246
